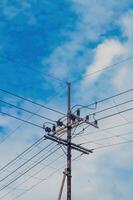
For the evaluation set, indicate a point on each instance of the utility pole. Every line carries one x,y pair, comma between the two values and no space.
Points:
54,133
69,143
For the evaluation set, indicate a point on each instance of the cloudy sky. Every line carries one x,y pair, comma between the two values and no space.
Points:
44,44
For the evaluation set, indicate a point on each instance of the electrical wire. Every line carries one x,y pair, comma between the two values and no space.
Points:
115,106
36,125
105,99
27,161
101,130
36,173
59,169
104,68
27,111
117,113
29,176
119,110
21,154
106,138
80,132
9,183
111,145
32,69
28,100
37,111
32,176
23,120
44,179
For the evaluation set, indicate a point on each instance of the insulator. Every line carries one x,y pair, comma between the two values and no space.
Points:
54,128
96,122
43,126
87,117
73,118
78,112
59,123
48,130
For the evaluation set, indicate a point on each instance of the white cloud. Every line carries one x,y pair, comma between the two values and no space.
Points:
124,78
62,57
105,53
94,20
127,25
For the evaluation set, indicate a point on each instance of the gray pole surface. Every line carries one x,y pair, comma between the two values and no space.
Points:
69,144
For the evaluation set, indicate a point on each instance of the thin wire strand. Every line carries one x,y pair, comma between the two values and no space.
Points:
23,120
36,173
35,70
44,179
117,113
37,111
27,161
111,145
106,138
30,166
111,107
27,111
105,129
105,99
28,100
29,169
104,68
21,154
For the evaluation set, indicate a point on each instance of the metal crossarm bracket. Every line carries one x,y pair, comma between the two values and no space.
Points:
64,142
87,122
75,124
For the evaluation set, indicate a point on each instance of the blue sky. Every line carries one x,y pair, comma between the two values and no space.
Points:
68,40
32,33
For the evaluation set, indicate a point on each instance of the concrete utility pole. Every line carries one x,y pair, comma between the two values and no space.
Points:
69,143
62,184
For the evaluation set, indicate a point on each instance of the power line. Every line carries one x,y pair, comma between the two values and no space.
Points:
111,145
28,100
48,165
106,138
109,128
18,127
5,186
23,120
119,110
106,146
20,158
32,176
111,107
123,103
25,150
105,99
27,161
103,69
44,179
28,111
32,69
21,154
111,115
